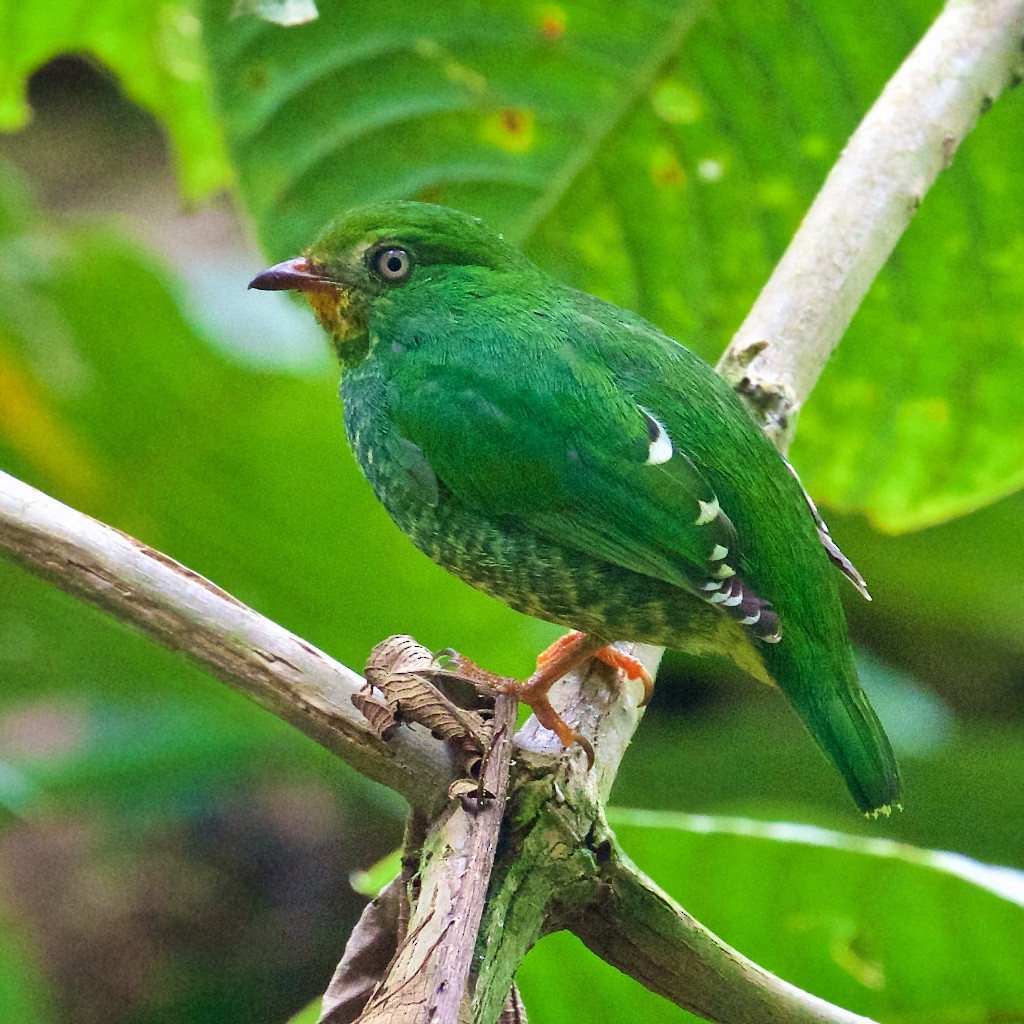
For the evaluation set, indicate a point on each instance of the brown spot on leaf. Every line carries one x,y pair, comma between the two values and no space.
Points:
510,129
512,120
551,19
257,77
552,24
666,170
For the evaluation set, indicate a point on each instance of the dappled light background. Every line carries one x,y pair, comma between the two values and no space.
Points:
169,851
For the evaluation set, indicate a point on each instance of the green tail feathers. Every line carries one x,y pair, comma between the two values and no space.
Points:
850,733
835,709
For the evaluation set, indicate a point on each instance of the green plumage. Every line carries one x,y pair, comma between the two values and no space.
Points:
567,457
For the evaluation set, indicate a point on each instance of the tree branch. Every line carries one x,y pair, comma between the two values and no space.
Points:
185,612
635,926
971,53
426,980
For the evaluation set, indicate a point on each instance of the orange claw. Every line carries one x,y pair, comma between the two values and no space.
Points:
565,654
633,667
551,719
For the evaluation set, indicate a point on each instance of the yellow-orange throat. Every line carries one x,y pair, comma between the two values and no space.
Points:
339,315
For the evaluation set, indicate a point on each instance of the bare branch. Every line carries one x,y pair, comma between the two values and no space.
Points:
456,953
962,64
185,612
642,931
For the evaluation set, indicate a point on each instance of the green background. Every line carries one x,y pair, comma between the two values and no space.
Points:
169,852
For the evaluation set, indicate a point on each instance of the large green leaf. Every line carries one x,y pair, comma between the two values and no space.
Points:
886,930
155,49
661,153
755,759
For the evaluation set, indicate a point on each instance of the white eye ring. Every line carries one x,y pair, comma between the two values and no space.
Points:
393,264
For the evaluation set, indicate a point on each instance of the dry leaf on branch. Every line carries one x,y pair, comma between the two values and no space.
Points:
413,687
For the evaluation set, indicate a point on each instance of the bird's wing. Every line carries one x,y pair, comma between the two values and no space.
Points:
660,380
587,467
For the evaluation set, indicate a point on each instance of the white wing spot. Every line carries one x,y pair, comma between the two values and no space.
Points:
723,596
734,600
718,553
774,638
712,585
751,619
723,572
660,448
708,512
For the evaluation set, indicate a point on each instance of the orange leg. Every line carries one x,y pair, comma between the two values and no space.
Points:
560,646
565,654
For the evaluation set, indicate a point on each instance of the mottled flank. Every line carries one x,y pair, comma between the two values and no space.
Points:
565,456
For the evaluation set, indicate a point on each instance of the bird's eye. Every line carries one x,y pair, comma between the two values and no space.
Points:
393,264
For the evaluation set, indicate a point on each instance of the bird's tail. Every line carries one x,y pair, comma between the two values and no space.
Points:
850,733
836,711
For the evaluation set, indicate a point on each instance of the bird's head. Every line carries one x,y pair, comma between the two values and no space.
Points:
363,256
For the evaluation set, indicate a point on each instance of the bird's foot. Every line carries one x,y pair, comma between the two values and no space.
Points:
633,667
565,654
458,665
548,717
609,655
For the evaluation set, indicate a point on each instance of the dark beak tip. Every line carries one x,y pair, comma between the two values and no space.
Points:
266,282
280,277
291,275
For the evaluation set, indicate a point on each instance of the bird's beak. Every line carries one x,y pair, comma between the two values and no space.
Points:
295,275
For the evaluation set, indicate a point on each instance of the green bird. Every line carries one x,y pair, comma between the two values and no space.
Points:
566,456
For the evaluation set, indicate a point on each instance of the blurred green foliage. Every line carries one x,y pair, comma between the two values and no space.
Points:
23,994
156,49
862,923
660,154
